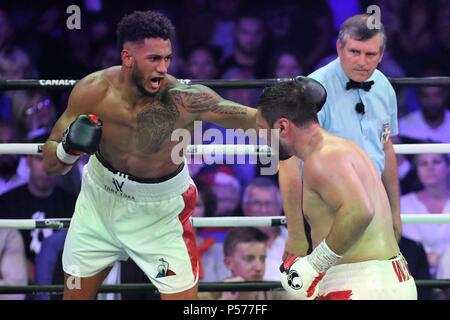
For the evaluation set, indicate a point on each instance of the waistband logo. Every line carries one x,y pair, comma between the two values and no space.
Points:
118,185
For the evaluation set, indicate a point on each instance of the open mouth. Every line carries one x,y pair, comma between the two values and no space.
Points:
156,82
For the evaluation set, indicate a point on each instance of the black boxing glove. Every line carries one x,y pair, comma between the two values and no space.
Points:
81,137
315,89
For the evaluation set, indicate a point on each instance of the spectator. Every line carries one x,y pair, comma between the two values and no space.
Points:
202,63
15,64
39,112
249,36
286,64
432,121
13,267
407,174
228,193
245,257
429,124
433,172
40,198
262,198
9,177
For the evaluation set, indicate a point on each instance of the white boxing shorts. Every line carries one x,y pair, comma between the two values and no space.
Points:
117,217
369,280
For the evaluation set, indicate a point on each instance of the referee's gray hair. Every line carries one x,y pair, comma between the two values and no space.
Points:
357,28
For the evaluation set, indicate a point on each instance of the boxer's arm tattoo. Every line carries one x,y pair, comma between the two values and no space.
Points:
228,107
198,99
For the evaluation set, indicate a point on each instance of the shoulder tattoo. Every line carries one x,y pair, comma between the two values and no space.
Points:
198,99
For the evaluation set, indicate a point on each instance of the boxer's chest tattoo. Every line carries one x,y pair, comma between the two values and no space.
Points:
155,124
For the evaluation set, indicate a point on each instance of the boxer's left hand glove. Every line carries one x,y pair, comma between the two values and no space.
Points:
300,276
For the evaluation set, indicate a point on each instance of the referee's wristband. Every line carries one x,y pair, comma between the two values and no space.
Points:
64,157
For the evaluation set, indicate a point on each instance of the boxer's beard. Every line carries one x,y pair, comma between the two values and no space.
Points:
283,153
138,79
8,166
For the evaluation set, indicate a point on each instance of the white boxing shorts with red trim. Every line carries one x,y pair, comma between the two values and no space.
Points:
369,280
116,218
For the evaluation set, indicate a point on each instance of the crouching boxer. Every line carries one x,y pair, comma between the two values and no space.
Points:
355,254
136,196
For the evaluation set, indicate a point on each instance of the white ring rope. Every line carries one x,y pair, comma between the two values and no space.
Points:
421,148
234,149
30,224
239,221
424,218
21,148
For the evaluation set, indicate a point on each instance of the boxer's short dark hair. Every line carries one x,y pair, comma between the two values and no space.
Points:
139,25
287,100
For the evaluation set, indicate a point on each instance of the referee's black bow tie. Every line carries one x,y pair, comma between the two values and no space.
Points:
359,85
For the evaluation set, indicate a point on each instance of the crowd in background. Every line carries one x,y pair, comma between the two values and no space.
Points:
221,39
